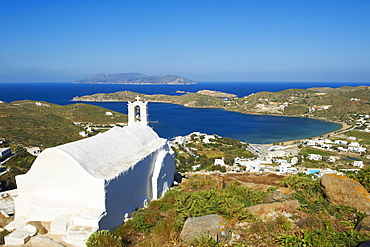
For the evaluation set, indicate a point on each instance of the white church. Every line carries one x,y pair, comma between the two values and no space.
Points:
95,183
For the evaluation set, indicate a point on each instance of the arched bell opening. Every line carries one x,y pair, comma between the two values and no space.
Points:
137,113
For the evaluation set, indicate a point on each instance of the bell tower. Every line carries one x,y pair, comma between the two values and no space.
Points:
137,111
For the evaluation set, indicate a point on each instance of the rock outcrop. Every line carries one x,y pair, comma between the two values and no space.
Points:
214,225
43,241
217,94
272,210
280,195
364,225
342,190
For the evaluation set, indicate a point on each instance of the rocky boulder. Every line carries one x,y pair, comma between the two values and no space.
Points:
279,195
272,210
364,225
365,244
43,241
214,225
342,190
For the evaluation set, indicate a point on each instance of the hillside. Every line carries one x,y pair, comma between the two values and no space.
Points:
297,214
333,104
188,99
45,125
134,78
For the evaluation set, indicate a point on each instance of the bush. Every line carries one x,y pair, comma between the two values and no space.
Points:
207,241
320,237
363,176
230,202
104,238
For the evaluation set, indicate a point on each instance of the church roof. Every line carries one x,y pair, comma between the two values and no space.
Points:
108,154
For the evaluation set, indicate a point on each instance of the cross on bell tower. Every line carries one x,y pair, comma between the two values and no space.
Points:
137,111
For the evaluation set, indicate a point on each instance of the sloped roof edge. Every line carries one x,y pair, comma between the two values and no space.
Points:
109,154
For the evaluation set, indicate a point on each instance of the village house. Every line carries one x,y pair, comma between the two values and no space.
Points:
94,183
251,165
342,149
204,138
294,160
316,157
357,149
309,142
354,144
333,158
220,162
358,163
283,166
5,152
287,168
83,134
35,151
340,142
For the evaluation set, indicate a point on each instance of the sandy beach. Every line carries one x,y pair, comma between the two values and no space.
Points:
343,128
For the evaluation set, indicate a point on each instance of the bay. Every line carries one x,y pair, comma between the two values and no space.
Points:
171,120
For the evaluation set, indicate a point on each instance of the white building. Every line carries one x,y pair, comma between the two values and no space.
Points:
95,183
5,152
354,144
333,158
283,167
209,138
249,164
340,142
358,163
219,162
316,157
310,142
179,140
33,150
294,161
342,149
83,134
357,149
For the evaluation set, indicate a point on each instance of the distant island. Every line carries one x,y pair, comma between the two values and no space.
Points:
135,78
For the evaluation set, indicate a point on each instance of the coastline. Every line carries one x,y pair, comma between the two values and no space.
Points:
290,142
343,128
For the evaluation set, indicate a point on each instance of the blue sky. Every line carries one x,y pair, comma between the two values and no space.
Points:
204,40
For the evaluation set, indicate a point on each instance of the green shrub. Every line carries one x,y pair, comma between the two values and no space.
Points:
104,238
320,237
207,241
363,176
230,202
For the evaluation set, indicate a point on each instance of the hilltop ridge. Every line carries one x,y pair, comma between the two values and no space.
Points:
335,104
134,78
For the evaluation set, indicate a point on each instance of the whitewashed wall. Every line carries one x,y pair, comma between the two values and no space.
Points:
68,185
134,188
56,185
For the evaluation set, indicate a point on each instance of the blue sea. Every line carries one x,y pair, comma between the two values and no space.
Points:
171,120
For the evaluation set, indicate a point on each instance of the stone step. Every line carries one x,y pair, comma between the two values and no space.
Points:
21,235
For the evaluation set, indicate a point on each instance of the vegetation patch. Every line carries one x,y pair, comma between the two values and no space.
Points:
46,125
317,223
